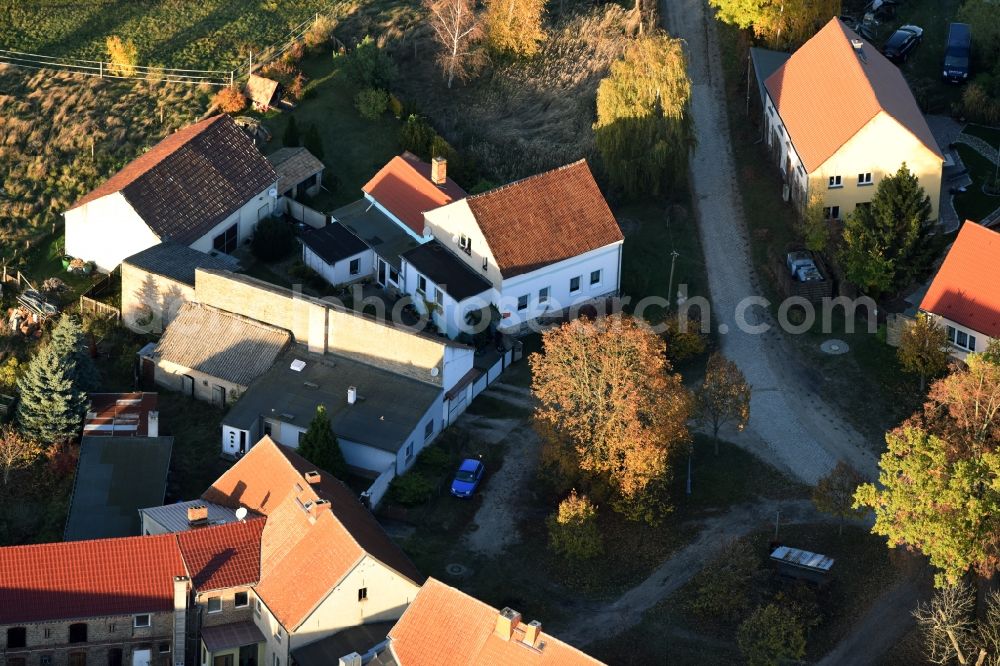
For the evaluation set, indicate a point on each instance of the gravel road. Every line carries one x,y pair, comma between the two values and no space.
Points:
790,425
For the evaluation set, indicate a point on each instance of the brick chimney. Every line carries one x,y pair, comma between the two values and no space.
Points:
312,477
531,632
153,424
197,514
507,621
439,170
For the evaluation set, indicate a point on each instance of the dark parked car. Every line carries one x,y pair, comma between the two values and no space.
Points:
902,42
956,53
467,478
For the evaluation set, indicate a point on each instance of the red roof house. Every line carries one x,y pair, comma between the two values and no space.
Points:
964,293
407,187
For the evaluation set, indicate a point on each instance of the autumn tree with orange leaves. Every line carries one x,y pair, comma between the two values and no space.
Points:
723,397
611,412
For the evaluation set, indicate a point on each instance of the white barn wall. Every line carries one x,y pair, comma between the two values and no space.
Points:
247,217
106,231
340,272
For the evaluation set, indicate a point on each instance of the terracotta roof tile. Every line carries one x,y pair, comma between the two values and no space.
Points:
544,219
965,287
224,555
326,544
82,579
191,180
446,627
825,94
404,188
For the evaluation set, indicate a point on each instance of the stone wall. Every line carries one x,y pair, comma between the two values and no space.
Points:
150,302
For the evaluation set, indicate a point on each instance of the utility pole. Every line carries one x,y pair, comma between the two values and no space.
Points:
250,70
670,284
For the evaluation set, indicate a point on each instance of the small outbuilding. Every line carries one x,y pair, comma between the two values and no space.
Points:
264,93
337,254
299,171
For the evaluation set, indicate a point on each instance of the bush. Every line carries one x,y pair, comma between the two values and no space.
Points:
723,587
573,530
368,66
396,107
682,345
435,460
771,636
411,489
320,33
979,106
230,100
371,103
416,135
273,239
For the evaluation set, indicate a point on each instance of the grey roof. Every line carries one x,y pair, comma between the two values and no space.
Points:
115,477
293,165
443,268
388,408
329,650
175,261
765,63
173,517
376,229
221,344
233,635
333,242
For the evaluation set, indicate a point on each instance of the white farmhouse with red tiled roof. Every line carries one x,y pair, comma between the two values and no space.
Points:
964,295
205,186
839,117
543,244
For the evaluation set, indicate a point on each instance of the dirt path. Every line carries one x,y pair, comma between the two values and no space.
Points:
606,620
496,519
790,425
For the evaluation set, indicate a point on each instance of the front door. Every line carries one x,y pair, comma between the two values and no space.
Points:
219,395
187,385
142,657
248,655
77,659
243,442
223,660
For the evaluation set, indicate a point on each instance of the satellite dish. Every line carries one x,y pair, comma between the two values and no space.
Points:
434,371
454,239
273,192
241,513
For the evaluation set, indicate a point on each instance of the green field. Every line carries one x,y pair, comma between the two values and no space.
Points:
201,34
975,204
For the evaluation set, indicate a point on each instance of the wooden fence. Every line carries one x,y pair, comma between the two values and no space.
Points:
88,304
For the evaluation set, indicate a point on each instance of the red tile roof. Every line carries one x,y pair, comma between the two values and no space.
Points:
446,627
965,288
404,188
223,556
544,219
83,579
191,180
825,94
327,543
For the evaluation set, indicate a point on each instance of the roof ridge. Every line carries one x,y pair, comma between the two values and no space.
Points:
525,179
132,537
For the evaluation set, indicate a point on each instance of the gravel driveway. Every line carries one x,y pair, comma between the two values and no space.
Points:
790,426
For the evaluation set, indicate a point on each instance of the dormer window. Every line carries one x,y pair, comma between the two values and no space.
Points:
465,243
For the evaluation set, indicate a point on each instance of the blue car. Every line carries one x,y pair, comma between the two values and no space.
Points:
467,479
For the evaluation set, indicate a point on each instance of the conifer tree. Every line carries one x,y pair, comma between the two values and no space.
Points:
291,136
52,402
69,340
320,447
886,243
313,142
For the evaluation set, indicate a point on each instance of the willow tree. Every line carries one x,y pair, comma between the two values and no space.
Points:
643,128
515,26
780,23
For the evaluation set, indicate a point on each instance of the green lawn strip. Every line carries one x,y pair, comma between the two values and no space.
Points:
974,204
354,148
195,462
990,135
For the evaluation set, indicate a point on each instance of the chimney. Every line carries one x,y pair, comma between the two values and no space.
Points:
507,620
857,44
312,477
531,632
353,659
439,170
180,618
197,514
352,395
316,508
153,424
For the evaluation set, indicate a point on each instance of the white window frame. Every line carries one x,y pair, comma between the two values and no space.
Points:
522,302
465,244
600,278
135,621
236,604
429,430
208,604
865,179
835,182
354,267
543,294
409,451
421,284
579,279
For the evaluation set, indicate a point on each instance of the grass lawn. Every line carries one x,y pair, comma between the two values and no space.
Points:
862,571
195,462
354,148
990,135
976,204
34,505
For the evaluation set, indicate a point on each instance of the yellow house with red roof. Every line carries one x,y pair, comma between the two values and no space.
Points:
839,117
